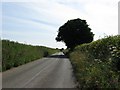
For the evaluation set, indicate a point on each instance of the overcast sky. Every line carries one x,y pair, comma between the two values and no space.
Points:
36,22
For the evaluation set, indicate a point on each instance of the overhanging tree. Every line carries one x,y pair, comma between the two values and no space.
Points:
75,32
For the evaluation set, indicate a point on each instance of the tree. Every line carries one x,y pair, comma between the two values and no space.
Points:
75,32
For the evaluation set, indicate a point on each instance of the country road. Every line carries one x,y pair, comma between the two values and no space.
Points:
50,72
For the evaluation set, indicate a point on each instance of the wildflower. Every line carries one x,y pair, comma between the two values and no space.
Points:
90,65
113,47
113,55
96,59
111,71
114,50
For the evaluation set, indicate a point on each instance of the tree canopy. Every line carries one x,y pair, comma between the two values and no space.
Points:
75,32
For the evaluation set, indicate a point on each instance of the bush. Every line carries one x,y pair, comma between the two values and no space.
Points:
15,54
96,65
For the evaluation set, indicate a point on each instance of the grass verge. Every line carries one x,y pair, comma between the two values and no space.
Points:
97,64
15,54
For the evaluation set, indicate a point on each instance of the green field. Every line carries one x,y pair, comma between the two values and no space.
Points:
97,64
15,54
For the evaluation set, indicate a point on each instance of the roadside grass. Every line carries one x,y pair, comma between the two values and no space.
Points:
97,64
15,54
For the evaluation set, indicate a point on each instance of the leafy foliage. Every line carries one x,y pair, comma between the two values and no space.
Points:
75,32
15,54
97,64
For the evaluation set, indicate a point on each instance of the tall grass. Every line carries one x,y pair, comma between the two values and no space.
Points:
15,54
97,64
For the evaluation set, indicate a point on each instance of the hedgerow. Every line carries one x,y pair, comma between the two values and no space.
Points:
97,64
15,54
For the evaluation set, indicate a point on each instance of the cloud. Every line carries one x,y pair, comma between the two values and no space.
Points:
45,17
103,18
101,15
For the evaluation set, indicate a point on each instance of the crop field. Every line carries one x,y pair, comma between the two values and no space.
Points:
97,64
15,54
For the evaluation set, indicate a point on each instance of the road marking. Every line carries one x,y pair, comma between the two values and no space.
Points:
37,75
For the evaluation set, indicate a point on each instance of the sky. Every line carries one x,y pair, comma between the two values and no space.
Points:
36,22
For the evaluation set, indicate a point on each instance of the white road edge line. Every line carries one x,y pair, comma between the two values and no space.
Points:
36,75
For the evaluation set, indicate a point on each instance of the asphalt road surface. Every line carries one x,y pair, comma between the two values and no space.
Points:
51,72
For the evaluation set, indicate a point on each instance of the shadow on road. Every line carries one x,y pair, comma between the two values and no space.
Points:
58,56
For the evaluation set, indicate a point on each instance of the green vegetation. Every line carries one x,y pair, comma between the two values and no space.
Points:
0,55
75,32
15,54
97,64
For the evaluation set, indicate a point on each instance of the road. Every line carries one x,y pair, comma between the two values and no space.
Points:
50,72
